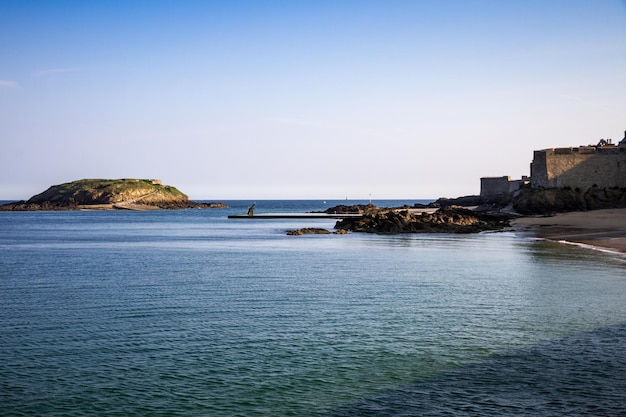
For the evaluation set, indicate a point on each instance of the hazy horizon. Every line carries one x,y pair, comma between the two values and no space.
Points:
265,197
306,99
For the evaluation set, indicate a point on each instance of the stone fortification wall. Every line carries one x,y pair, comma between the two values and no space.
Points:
583,167
493,186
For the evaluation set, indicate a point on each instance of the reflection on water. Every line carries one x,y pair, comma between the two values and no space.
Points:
576,375
188,313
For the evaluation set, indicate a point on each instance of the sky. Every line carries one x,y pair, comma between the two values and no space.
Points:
408,99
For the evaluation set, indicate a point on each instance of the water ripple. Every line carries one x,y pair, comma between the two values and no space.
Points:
581,375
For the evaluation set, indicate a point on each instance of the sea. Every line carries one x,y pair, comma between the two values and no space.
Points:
189,313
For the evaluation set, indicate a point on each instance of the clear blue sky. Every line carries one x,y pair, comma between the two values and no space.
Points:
303,99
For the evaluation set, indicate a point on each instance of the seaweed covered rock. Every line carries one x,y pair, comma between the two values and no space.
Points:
314,231
444,220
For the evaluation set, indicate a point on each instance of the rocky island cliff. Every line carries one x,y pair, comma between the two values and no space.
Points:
103,194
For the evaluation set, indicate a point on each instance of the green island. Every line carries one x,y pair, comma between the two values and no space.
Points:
109,194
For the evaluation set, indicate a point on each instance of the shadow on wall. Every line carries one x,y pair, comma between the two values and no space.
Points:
582,167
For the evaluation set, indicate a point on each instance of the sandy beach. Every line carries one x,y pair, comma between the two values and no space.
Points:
601,228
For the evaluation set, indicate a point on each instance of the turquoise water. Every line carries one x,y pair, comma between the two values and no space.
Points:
188,313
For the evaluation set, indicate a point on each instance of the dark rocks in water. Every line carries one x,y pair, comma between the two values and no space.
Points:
444,220
49,206
189,204
212,204
473,201
314,231
465,201
353,209
44,206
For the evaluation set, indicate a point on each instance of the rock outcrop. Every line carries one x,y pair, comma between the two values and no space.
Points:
353,209
129,194
542,201
444,220
465,201
314,231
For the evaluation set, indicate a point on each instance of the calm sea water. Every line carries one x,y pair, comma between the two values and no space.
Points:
188,313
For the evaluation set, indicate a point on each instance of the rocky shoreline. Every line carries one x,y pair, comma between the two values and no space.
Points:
47,206
543,201
468,214
473,214
416,219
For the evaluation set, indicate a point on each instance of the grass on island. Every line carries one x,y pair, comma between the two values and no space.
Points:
116,186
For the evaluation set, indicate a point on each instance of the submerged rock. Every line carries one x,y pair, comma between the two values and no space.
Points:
314,231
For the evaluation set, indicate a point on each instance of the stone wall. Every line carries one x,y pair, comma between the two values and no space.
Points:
493,186
583,167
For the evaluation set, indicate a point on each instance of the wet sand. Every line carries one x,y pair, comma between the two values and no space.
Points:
118,206
601,228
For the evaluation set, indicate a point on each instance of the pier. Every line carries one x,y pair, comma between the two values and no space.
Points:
294,216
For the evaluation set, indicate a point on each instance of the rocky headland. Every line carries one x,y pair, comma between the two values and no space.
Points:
107,194
544,201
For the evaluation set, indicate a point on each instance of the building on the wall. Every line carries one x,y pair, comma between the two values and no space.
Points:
494,186
602,165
